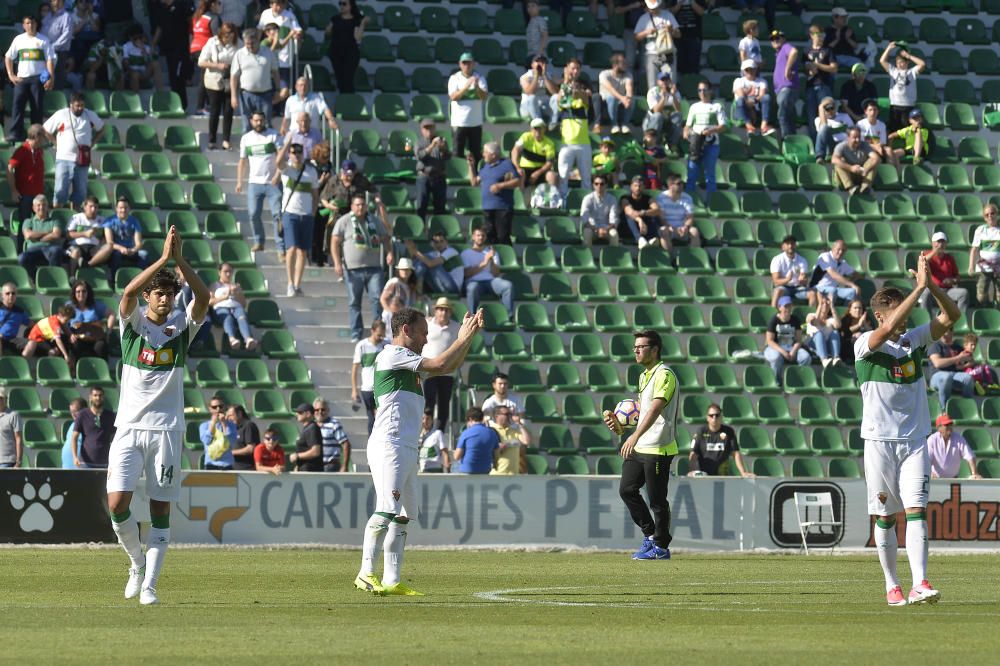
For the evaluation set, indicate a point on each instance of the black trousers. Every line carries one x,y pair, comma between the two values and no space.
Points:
178,73
368,398
437,398
652,471
29,91
471,138
218,104
345,64
497,225
431,191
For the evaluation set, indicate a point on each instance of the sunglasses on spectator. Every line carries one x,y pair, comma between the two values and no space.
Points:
269,438
714,415
217,406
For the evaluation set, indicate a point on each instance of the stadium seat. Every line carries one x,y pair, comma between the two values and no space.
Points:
616,260
126,104
208,196
351,106
117,166
765,467
269,404
964,411
980,440
537,464
829,206
579,408
773,410
278,344
473,21
181,139
40,434
653,261
989,469
25,402
807,468
142,138
110,140
166,104
376,48
252,373
541,408
721,379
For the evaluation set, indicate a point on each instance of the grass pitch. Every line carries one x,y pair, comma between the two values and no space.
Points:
299,607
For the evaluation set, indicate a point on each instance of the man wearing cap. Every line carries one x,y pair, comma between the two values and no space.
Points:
33,74
308,456
949,362
831,127
658,30
947,449
820,69
784,340
467,91
854,162
616,87
786,81
706,120
442,331
839,38
790,274
11,440
536,89
349,182
497,180
916,138
440,268
357,246
312,103
902,83
432,154
752,103
944,272
664,115
533,154
855,93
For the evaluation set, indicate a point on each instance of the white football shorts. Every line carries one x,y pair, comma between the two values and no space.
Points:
155,454
897,475
394,472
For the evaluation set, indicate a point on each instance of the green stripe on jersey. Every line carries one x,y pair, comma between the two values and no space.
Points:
300,187
887,369
368,360
261,149
390,381
136,353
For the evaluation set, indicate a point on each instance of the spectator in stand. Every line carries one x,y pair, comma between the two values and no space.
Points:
706,120
831,128
497,180
616,89
141,64
11,438
216,58
467,92
247,437
434,453
944,272
574,112
823,330
12,319
124,234
218,437
258,152
501,397
664,115
205,23
838,276
482,274
304,134
856,92
441,268
363,369
308,456
600,214
916,139
688,14
50,337
537,29
874,133
104,66
73,130
854,322
984,375
288,29
752,105
442,330
58,28
93,431
86,32
657,29
91,322
547,196
533,154
403,285
643,216
947,449
33,75
902,84
359,243
87,244
340,190
312,104
514,437
478,445
536,90
253,79
432,155
839,38
606,162
268,456
854,163
336,445
790,274
713,446
949,363
44,238
677,208
786,81
820,69
228,305
171,23
749,46
632,10
26,176
69,453
299,204
984,257
396,304
784,340
344,34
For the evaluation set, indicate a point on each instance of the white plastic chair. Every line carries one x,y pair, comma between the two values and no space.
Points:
819,502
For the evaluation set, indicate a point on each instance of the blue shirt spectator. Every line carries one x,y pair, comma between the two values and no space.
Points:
123,231
495,174
12,317
476,445
88,315
223,460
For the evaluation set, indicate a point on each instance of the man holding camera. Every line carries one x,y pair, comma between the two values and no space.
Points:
575,113
536,88
432,153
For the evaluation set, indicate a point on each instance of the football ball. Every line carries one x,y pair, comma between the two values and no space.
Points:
627,413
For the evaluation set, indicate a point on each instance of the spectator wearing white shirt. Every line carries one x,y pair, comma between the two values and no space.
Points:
501,396
664,115
790,274
482,274
288,29
677,210
73,130
706,120
536,88
301,199
823,329
875,134
87,244
467,92
442,330
547,195
984,257
258,153
831,128
657,29
902,84
434,453
749,46
752,103
139,61
947,449
29,58
838,278
216,58
253,78
616,88
600,214
311,103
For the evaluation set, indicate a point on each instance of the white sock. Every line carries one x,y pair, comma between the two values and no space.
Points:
885,541
156,549
395,541
374,534
916,546
128,536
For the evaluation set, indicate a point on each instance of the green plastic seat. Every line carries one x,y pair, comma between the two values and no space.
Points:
291,374
732,261
989,469
964,411
649,316
743,176
170,196
126,104
933,208
773,410
653,261
117,166
800,379
221,225
899,207
954,178
721,379
92,371
270,404
809,468
541,408
829,206
212,373
95,101
726,319
565,377
166,104
376,48
604,377
609,318
142,138
815,410
53,371
779,176
40,434
709,289
737,409
208,196
703,348
14,371
252,282
572,464
509,347
616,260
25,402
633,289
759,379
688,319
473,20
884,263
252,373
693,261
278,344
537,464
765,467
156,166
572,318
496,317
389,106
181,139
52,281
399,18
672,289
844,468
980,440
595,289
791,441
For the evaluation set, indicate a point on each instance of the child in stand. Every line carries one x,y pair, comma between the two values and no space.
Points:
139,60
655,156
268,456
823,328
606,162
749,47
985,376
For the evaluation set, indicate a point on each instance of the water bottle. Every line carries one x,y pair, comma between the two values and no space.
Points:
408,146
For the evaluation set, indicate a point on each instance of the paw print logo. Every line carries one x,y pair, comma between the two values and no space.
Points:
36,506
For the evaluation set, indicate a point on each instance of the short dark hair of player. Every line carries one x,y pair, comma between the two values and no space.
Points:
164,280
653,337
474,414
886,297
405,317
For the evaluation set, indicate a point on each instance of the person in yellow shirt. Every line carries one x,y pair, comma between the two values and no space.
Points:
606,162
514,437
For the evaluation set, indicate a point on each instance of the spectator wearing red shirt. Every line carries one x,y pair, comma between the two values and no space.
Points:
268,456
26,175
944,272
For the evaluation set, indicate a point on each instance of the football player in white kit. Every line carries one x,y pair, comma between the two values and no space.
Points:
150,423
393,447
895,424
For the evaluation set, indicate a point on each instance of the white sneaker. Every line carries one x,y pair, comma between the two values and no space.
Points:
616,129
148,597
134,583
625,129
825,362
836,360
291,291
642,242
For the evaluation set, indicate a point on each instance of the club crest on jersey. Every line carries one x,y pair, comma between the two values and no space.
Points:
395,495
169,331
882,498
149,356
